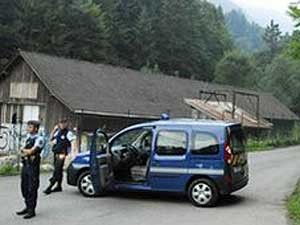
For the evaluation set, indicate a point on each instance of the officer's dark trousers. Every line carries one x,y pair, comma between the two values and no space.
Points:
30,182
58,170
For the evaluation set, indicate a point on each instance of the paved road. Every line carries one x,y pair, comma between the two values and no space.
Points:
273,176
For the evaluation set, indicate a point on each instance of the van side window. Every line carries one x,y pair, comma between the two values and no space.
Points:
139,138
205,144
171,143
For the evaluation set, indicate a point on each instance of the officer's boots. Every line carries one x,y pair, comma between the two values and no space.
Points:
58,188
48,190
30,214
27,213
22,212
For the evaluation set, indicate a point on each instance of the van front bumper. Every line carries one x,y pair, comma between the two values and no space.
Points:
72,175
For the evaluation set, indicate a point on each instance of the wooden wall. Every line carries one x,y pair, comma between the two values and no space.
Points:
50,108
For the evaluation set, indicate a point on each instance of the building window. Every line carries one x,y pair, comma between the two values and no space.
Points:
24,90
31,112
171,143
205,144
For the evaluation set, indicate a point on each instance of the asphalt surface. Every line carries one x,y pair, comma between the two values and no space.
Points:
273,177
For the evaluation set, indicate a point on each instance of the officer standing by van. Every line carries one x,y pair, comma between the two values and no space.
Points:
30,174
61,138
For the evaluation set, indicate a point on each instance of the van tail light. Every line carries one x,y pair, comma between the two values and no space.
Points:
228,157
228,154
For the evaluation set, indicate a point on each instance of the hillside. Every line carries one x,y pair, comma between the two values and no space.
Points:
260,16
227,5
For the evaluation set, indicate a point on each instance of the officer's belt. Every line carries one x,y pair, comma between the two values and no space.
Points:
29,158
58,155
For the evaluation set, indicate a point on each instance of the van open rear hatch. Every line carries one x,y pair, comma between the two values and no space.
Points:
235,156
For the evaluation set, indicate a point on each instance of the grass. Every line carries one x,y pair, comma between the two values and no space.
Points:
254,145
8,170
275,141
293,206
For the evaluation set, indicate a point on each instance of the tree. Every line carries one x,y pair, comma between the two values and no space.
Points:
122,18
272,37
247,36
182,38
294,12
191,38
293,49
236,69
282,79
71,28
8,42
294,44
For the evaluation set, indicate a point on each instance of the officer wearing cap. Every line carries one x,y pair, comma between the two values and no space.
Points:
61,138
30,173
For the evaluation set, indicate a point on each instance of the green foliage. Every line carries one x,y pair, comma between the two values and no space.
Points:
294,44
293,49
67,28
282,79
7,38
277,67
247,36
8,170
294,12
293,205
272,37
269,143
185,38
235,69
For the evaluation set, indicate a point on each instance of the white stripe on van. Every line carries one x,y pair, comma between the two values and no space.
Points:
186,171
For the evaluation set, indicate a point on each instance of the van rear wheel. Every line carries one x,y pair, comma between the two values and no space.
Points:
203,193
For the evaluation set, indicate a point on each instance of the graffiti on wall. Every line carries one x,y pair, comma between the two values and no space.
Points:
13,137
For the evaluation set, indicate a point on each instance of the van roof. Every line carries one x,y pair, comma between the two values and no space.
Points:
186,122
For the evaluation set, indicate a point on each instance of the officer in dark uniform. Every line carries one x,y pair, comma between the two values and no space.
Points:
30,174
61,138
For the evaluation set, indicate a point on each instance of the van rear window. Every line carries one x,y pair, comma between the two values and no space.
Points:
205,144
237,140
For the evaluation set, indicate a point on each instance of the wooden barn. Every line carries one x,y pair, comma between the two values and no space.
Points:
44,87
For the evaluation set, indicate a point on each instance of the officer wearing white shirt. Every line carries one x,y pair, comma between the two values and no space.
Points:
30,174
61,138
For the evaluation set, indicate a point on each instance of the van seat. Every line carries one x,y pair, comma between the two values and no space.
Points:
138,173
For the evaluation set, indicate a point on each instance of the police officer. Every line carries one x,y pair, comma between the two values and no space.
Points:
30,174
61,138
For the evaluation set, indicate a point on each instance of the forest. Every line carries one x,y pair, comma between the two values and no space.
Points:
190,39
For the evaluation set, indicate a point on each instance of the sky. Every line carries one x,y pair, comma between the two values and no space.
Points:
278,5
262,11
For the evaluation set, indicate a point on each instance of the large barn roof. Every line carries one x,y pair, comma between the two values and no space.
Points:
108,90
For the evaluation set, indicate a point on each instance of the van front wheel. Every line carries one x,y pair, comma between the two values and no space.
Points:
85,185
203,193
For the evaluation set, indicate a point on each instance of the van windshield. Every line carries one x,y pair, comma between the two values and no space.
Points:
237,140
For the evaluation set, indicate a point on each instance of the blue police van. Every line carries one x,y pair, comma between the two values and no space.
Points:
199,158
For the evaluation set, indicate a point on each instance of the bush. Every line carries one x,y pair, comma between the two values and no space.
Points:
270,143
8,170
293,205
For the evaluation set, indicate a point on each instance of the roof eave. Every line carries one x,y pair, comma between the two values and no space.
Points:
124,115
